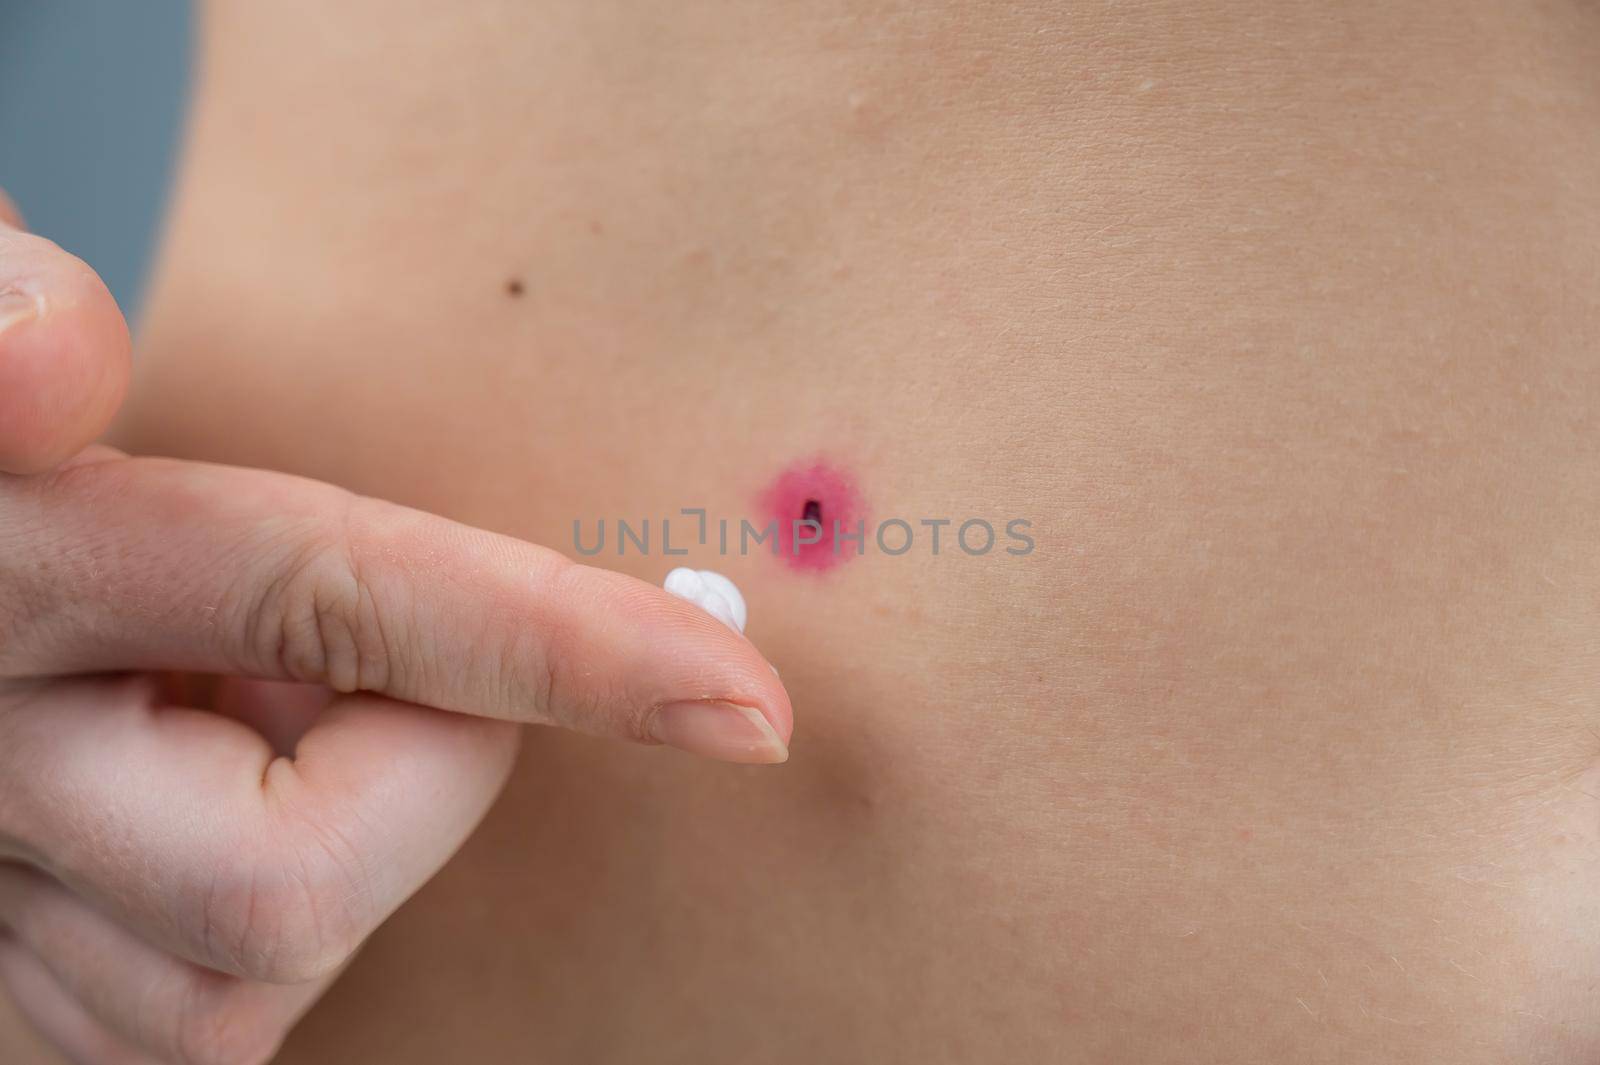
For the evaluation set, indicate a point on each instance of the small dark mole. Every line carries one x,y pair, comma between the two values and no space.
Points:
812,511
514,287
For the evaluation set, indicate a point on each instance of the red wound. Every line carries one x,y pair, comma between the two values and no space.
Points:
819,516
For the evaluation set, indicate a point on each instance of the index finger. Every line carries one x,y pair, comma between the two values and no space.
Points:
157,564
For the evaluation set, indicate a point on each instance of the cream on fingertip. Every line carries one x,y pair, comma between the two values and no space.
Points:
711,592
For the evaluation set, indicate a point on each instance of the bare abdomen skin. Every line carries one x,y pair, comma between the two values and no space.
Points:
1280,326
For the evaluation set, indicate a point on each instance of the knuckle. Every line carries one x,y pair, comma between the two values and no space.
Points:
320,619
294,917
213,1027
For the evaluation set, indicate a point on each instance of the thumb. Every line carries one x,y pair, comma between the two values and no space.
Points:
64,351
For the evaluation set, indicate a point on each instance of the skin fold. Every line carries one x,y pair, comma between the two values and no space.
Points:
1281,325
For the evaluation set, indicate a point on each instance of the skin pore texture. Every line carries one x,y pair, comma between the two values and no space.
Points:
1279,322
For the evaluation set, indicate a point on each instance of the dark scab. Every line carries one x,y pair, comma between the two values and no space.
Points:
812,511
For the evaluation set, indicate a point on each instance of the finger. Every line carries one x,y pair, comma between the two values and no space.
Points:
281,711
10,214
57,1016
188,828
64,351
149,563
164,1006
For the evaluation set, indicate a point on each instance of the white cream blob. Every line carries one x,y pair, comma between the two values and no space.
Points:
711,592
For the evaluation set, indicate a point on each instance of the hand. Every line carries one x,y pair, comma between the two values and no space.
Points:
172,888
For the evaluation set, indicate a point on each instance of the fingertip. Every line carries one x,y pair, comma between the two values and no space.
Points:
721,730
727,670
10,213
776,707
628,659
65,356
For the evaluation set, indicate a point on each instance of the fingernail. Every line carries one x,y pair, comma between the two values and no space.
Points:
715,729
16,308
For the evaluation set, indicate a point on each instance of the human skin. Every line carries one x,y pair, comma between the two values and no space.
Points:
1280,324
185,866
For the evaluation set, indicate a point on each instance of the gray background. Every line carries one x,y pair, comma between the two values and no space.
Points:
90,111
